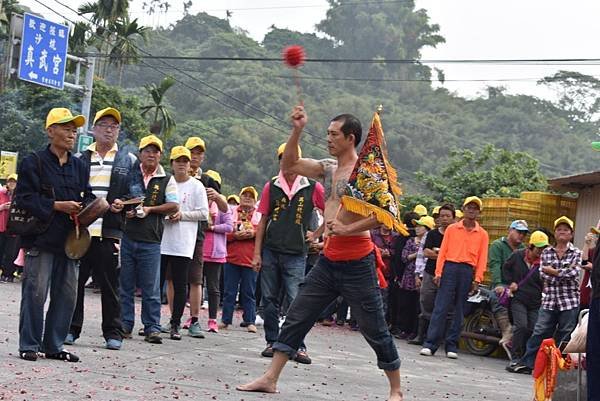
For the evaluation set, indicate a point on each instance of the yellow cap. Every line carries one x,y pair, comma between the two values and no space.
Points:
538,239
426,221
151,140
109,111
214,175
178,151
564,220
234,197
473,199
281,149
12,177
420,210
252,190
60,115
436,210
596,230
459,214
194,142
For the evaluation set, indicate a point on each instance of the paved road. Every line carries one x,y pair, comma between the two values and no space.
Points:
343,368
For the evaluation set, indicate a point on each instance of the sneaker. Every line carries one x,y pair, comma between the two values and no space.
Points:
29,355
259,321
268,351
327,322
340,322
187,323
127,334
174,333
166,328
251,328
302,357
70,340
222,326
141,331
195,330
245,324
212,326
113,344
63,356
426,352
518,368
153,338
451,355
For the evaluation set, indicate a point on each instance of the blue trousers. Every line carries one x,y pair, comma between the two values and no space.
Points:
46,271
245,278
140,265
356,281
454,290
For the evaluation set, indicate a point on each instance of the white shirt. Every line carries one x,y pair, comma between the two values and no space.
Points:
179,238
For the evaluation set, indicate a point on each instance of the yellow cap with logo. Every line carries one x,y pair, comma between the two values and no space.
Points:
538,239
109,111
151,140
436,210
60,115
12,177
473,199
420,210
250,189
425,221
214,175
564,220
179,151
281,149
459,214
195,142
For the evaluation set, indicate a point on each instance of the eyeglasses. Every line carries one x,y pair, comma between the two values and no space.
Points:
114,127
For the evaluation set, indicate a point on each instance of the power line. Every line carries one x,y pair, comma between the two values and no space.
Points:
382,2
515,61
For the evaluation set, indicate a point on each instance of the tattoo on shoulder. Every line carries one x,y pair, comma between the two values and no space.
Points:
329,167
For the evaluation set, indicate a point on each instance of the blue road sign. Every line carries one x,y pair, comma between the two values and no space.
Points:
43,52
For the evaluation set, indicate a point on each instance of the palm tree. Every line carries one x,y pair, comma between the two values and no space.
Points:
125,50
105,14
163,123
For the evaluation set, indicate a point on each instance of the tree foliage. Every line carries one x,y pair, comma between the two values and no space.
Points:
492,172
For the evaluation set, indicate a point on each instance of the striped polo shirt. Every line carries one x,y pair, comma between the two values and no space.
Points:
100,170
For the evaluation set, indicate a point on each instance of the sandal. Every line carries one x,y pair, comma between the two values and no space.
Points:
29,355
63,356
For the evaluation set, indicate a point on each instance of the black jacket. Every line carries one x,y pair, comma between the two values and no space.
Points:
120,178
70,182
514,270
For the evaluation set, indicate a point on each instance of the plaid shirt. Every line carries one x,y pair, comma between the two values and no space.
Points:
561,292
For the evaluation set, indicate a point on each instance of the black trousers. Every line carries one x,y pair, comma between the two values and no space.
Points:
10,250
101,260
408,306
176,269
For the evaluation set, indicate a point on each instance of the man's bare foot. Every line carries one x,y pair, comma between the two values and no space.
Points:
395,396
261,385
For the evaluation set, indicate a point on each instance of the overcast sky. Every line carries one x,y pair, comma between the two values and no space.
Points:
474,29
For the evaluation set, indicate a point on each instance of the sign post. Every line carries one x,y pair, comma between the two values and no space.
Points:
43,54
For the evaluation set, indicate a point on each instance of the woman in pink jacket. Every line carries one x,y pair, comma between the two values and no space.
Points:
214,255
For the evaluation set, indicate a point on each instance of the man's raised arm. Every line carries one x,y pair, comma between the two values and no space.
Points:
291,160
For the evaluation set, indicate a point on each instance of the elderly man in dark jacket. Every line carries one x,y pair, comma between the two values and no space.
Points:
52,170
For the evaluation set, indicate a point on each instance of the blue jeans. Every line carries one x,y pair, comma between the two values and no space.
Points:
245,278
593,351
279,271
140,265
454,290
44,270
545,327
356,281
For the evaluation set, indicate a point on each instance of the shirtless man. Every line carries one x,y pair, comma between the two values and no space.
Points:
347,267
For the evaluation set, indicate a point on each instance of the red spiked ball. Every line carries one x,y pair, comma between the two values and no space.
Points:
294,56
